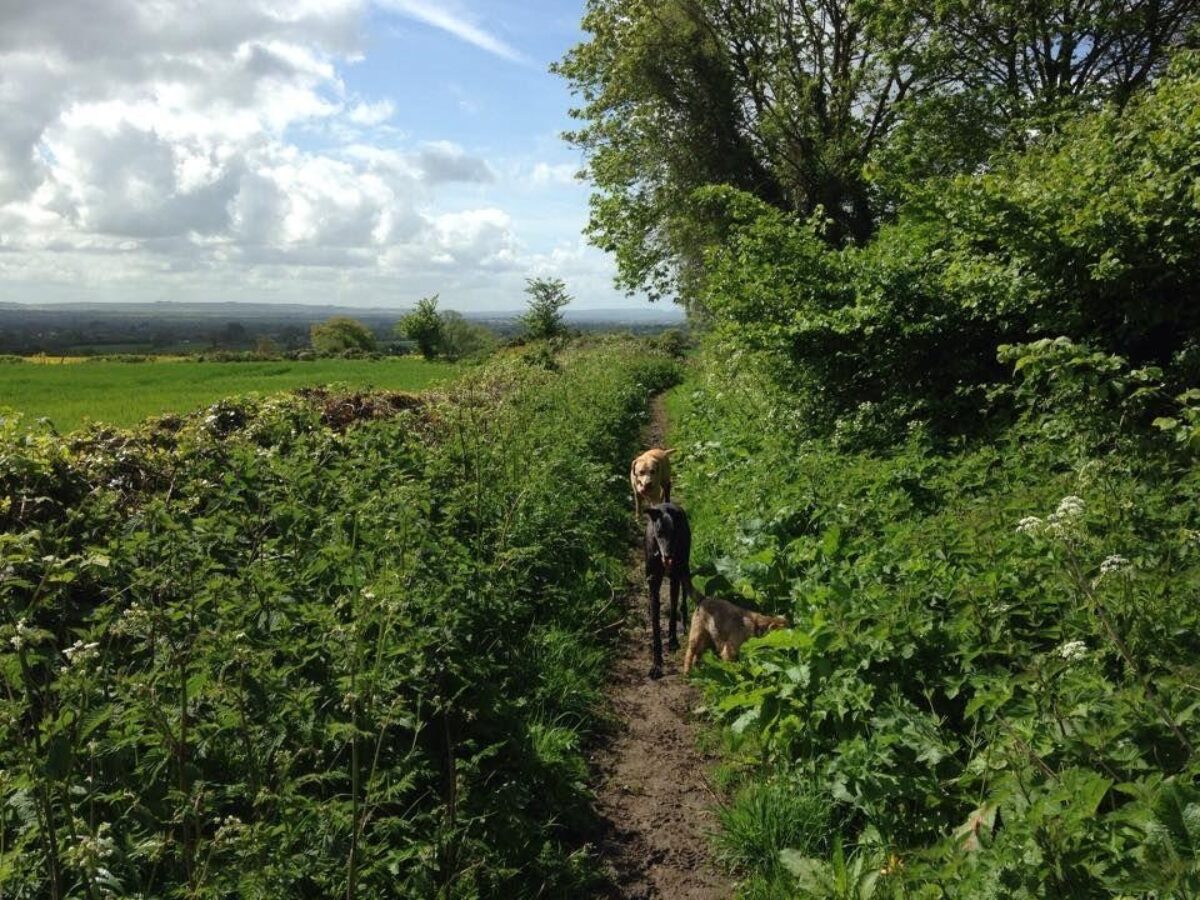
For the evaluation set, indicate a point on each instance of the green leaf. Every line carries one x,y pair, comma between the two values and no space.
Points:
745,720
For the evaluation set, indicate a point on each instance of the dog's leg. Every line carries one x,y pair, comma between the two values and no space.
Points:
672,640
698,641
728,652
656,652
684,589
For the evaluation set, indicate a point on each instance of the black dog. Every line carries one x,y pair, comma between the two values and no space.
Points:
668,552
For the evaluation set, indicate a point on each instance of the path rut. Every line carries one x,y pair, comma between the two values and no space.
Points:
651,787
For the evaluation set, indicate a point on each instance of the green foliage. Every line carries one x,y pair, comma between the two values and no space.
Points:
461,339
992,665
424,326
827,109
341,333
244,653
767,815
1092,234
543,319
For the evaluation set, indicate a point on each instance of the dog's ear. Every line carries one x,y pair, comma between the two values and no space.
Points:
667,452
654,512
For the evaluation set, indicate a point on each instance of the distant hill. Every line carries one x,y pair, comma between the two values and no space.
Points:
170,327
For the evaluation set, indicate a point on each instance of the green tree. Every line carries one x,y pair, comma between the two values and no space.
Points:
783,99
1034,55
547,297
424,326
342,333
461,339
829,106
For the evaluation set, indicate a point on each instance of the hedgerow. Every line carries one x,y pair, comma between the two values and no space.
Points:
1092,234
253,652
991,682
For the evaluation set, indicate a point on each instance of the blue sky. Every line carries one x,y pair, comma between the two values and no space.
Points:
348,151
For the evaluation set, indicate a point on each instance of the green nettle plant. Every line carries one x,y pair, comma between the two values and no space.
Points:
246,653
990,685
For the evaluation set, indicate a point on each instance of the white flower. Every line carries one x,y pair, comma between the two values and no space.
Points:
1031,525
1114,566
1114,563
1072,651
19,639
1071,507
91,849
1063,522
79,652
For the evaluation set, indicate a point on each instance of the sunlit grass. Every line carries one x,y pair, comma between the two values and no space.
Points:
119,393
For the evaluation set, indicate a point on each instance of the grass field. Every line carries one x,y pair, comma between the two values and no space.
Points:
126,393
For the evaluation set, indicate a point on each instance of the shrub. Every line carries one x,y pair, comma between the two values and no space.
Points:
340,334
991,640
1092,235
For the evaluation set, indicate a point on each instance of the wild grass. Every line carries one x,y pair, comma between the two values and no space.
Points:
122,394
766,815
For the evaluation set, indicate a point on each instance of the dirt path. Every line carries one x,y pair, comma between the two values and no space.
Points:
651,790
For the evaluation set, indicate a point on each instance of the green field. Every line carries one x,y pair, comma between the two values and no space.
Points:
119,393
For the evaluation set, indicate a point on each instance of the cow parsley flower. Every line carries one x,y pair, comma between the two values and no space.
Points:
19,639
1114,563
1072,651
1115,566
79,652
1064,521
91,850
1030,525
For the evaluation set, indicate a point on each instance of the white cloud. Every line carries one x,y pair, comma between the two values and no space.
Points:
369,114
435,13
545,174
155,151
443,161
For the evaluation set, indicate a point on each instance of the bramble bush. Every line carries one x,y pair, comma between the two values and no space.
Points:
250,653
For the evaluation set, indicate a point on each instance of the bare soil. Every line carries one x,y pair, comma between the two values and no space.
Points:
650,778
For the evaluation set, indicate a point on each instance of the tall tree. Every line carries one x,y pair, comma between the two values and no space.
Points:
424,326
785,99
543,317
1032,55
825,105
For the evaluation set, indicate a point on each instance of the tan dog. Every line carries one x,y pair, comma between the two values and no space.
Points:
650,478
724,627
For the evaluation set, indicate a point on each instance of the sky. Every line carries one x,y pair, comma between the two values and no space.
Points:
355,152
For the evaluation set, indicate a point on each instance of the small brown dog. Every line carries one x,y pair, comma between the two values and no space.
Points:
724,627
650,478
